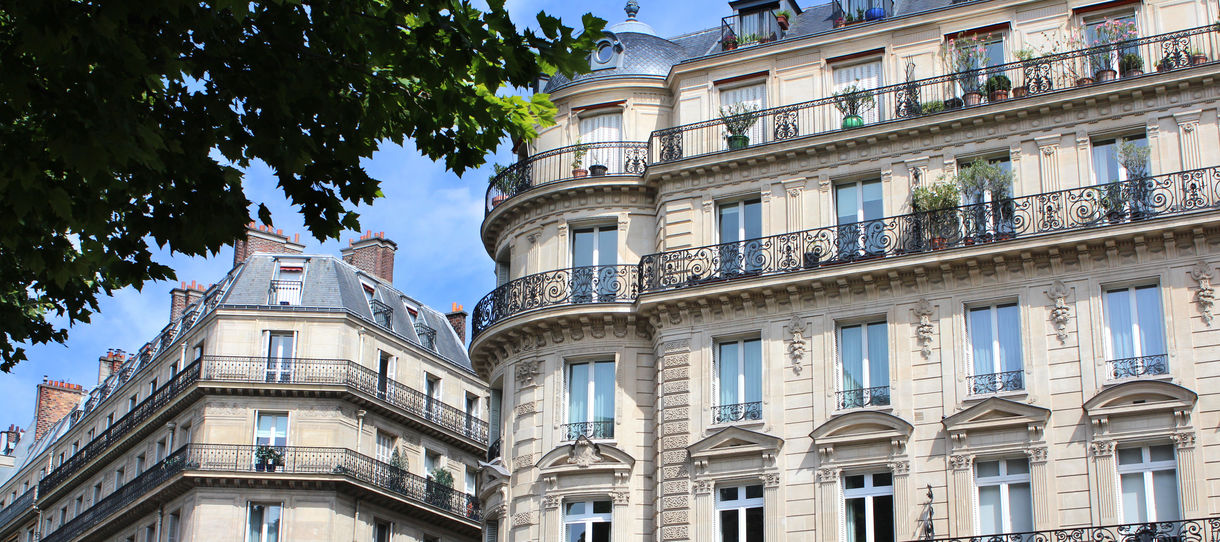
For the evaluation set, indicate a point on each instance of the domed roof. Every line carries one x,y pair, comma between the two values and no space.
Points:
631,48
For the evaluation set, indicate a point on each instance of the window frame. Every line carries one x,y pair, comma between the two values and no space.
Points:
587,519
717,385
866,360
1002,480
1147,467
591,389
997,361
741,505
868,493
287,414
1133,310
263,530
1117,140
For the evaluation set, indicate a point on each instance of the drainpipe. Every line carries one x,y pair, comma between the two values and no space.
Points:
356,519
160,519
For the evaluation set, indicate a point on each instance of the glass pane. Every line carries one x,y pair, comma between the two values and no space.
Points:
575,508
990,513
601,507
853,482
1105,161
729,353
728,494
872,205
856,520
883,518
878,356
1148,307
753,371
754,492
1020,508
582,248
847,200
576,533
1165,493
754,524
1129,456
1118,309
1018,466
730,223
273,523
1160,453
981,341
852,355
729,526
254,526
1135,501
883,479
603,400
986,469
1008,324
753,219
601,532
578,393
607,246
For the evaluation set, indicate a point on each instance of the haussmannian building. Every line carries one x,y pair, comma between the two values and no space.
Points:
299,398
720,318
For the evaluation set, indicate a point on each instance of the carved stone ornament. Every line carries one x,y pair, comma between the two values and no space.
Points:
771,479
621,497
1205,294
526,518
584,452
797,344
552,501
1036,454
1060,312
1101,448
526,371
1184,440
923,330
703,487
900,468
828,474
961,461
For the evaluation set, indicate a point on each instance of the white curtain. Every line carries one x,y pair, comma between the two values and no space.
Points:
753,96
865,76
604,128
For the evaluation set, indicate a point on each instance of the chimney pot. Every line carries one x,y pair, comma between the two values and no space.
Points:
457,319
55,400
374,256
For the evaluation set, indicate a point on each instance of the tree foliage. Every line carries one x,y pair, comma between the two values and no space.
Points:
126,124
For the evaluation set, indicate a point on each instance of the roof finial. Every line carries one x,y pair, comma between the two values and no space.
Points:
633,7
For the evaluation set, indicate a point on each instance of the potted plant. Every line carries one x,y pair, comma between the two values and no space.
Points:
954,103
965,59
598,170
502,183
439,486
997,87
1029,64
781,18
398,474
982,178
1133,157
1131,65
1197,56
1109,34
267,458
860,14
839,22
578,159
738,119
729,43
934,106
935,203
852,102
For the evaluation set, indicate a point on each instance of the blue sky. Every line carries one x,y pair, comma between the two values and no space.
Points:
432,214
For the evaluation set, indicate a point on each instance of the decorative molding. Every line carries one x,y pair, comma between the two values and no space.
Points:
678,345
621,497
526,518
1060,312
584,453
525,408
924,330
552,501
961,461
703,487
532,237
1101,448
1205,293
622,222
526,372
523,461
828,475
771,479
1037,454
900,468
797,344
1184,439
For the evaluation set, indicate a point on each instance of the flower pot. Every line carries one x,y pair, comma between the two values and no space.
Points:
953,103
782,21
1105,75
938,243
737,142
1162,67
270,467
1084,81
598,170
874,14
729,46
260,466
998,95
1197,59
579,172
852,121
972,98
1133,73
1019,92
498,200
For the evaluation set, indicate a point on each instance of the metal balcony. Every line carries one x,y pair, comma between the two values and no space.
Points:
584,161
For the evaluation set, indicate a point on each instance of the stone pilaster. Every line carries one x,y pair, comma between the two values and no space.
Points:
962,521
1106,475
829,498
904,520
675,400
1188,473
1188,142
1040,479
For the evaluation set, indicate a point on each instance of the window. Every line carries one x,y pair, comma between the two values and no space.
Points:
743,98
97,494
755,26
75,447
603,128
63,516
197,353
1121,23
586,521
594,259
865,365
1004,498
739,513
119,475
862,76
131,402
152,387
432,461
990,211
385,446
161,449
385,363
172,370
1119,164
271,429
1135,332
472,412
868,502
263,522
738,381
150,533
173,526
1107,168
493,414
858,203
995,349
740,227
78,506
381,531
109,420
432,396
140,460
1149,479
472,481
279,356
590,400
286,288
491,531
186,433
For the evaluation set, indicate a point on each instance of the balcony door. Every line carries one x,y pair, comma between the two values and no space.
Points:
987,213
751,96
1135,332
279,357
590,400
865,76
738,381
995,348
740,225
602,128
594,264
859,205
865,366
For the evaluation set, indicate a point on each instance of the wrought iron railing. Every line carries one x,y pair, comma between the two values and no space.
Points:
427,335
120,430
741,412
964,89
985,384
574,286
1157,364
592,430
493,451
285,292
383,314
558,165
225,458
19,507
1020,217
748,29
1185,530
863,397
350,374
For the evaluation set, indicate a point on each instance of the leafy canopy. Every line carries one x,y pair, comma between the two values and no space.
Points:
127,123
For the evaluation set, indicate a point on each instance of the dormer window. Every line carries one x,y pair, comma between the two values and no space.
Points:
383,314
607,54
286,287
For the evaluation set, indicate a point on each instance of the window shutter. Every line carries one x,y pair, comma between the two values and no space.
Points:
491,531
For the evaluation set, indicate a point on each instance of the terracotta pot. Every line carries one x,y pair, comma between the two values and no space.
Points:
1084,81
1133,73
729,46
1105,75
1198,59
838,23
579,172
782,21
1162,67
998,95
972,98
1019,92
498,200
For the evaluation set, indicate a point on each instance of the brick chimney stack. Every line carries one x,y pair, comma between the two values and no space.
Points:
457,319
181,297
110,364
265,239
373,254
55,400
9,439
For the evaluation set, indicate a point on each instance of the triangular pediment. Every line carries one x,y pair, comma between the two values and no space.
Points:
1140,397
735,441
996,413
585,455
861,427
